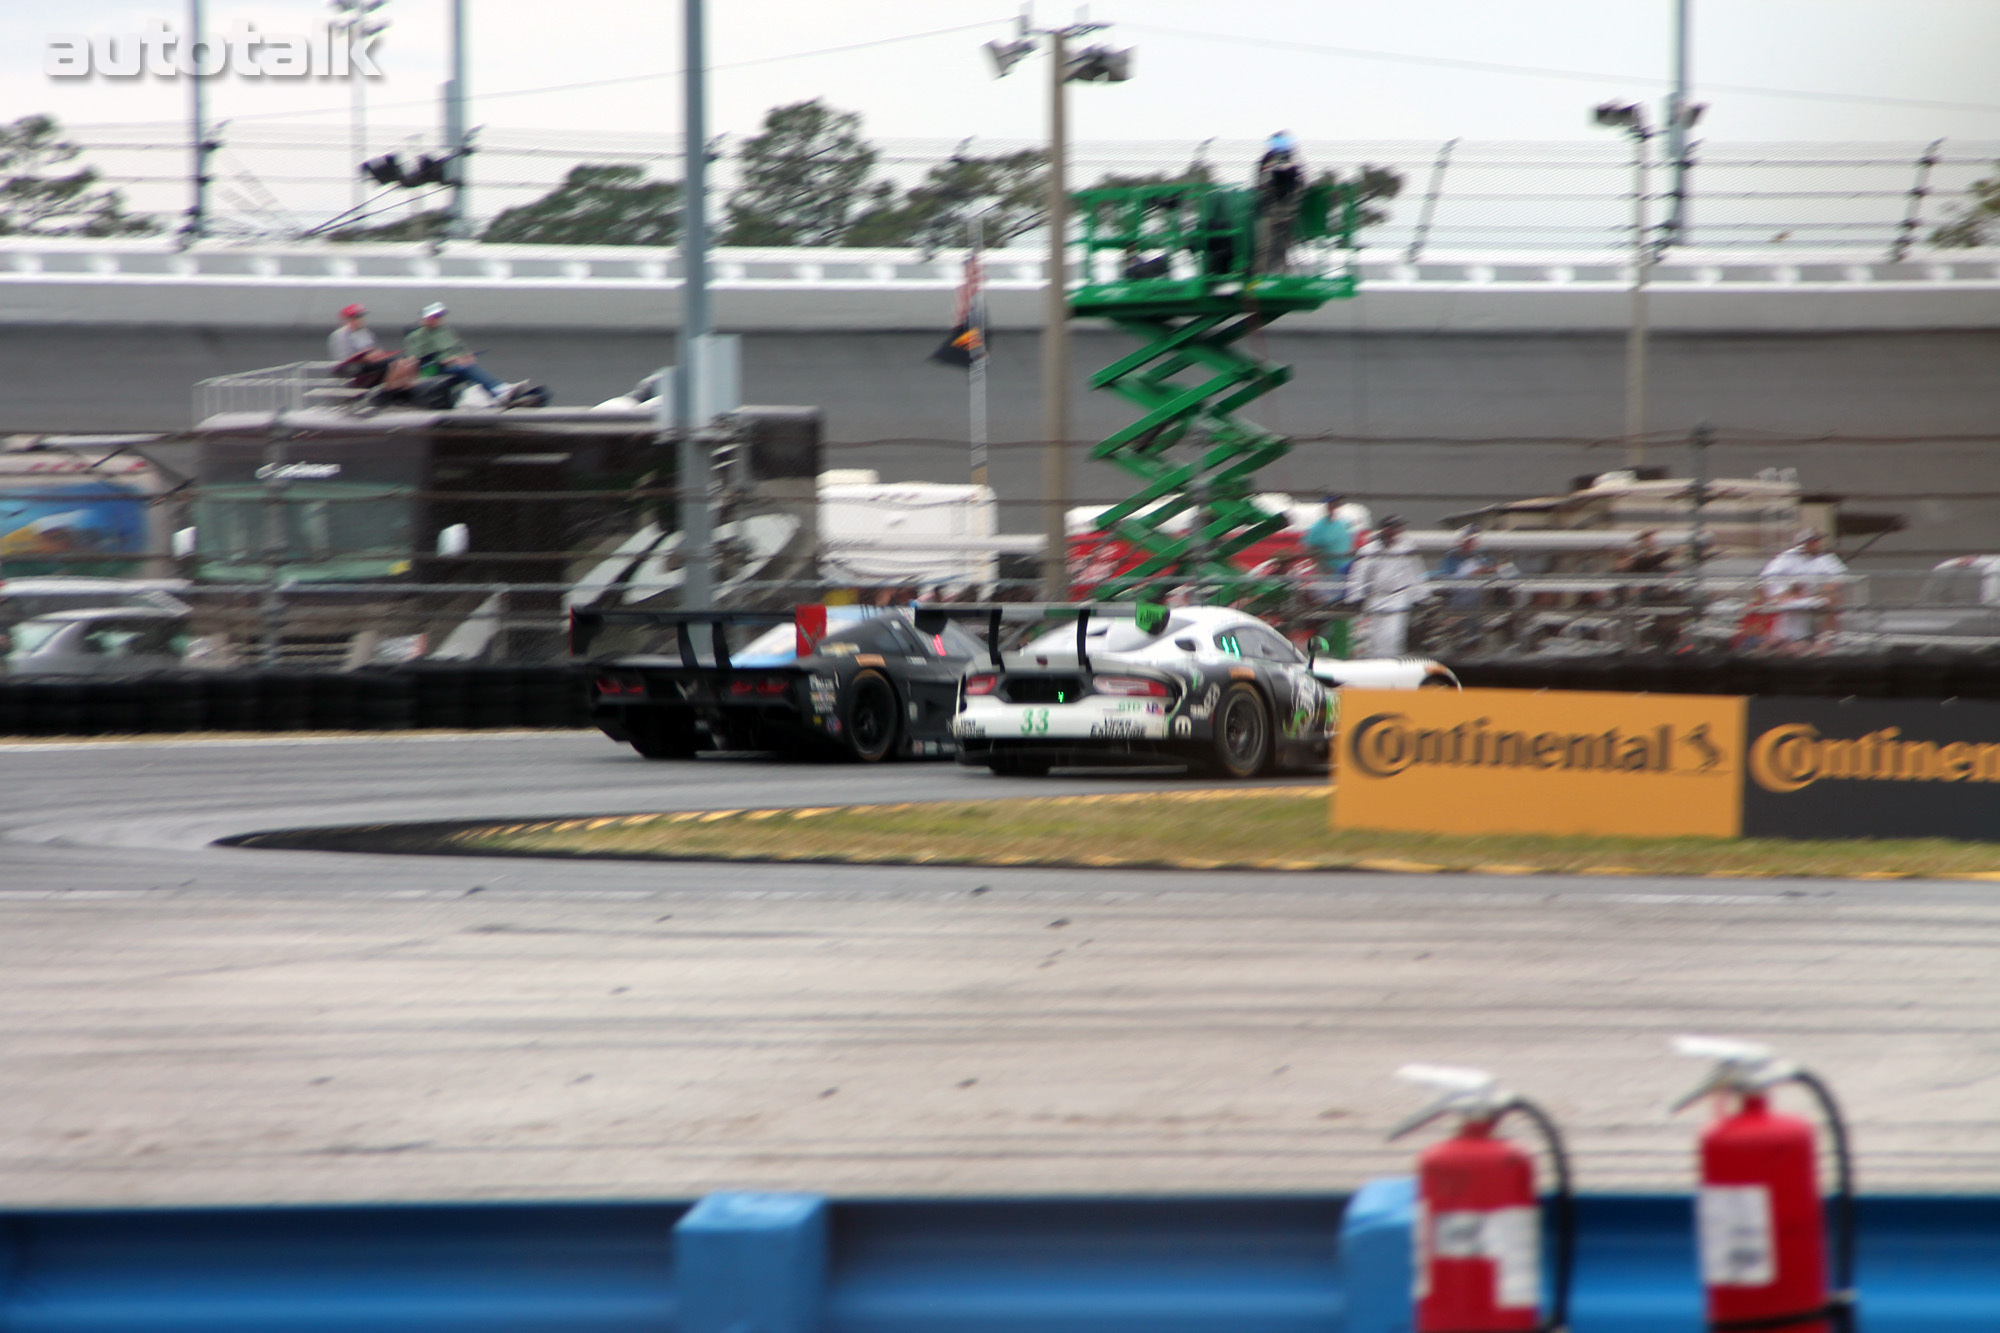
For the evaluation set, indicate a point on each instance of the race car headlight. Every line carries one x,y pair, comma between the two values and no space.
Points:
1134,686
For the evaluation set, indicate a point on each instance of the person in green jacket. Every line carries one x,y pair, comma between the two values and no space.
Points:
440,351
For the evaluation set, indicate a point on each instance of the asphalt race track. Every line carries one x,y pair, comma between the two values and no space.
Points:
185,1023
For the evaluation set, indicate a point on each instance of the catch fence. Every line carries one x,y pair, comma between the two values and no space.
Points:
1862,200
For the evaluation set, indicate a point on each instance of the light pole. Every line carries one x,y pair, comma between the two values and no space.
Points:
1680,116
357,17
1632,120
197,217
693,462
454,127
1094,65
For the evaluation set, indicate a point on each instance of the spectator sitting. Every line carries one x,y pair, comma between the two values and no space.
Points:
352,348
440,351
1465,561
1645,556
401,386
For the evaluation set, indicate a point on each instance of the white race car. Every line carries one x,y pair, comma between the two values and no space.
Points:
1206,686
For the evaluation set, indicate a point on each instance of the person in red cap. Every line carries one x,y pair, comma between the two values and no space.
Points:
352,348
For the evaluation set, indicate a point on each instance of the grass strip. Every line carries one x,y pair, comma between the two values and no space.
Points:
1263,828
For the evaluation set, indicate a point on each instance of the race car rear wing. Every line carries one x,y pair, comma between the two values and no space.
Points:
933,616
586,624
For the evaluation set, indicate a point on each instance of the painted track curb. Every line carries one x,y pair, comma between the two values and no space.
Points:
454,838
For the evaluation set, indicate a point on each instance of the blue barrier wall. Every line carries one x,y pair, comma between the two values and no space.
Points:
1924,1264
802,1264
495,1268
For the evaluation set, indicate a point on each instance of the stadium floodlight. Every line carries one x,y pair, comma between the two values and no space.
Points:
1101,64
384,170
1006,55
1621,116
431,171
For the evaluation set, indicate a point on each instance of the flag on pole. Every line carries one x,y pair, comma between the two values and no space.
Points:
966,343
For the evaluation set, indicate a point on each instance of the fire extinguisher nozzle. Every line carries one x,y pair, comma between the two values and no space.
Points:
1472,1093
1740,1067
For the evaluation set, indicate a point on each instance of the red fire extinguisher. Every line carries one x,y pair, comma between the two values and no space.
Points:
1478,1230
1761,1222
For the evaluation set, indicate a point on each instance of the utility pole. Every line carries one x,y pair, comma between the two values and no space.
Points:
975,376
458,212
1096,65
1055,338
1680,118
1635,336
1632,120
692,476
197,218
277,538
355,19
358,133
1699,442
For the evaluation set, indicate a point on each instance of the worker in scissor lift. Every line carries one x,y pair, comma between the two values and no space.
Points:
1281,177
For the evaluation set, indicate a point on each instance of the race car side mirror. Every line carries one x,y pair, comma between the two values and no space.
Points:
1151,617
1314,647
931,621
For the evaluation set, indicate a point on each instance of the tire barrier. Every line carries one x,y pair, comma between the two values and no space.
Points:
440,698
388,699
458,697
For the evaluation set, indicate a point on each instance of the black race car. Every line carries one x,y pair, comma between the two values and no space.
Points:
859,682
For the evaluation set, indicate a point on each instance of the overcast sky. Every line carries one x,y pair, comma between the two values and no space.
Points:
1326,69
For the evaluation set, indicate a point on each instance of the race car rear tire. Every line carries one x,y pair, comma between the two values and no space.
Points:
871,718
1009,765
658,734
1242,744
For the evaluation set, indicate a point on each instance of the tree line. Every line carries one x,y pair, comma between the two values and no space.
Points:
808,177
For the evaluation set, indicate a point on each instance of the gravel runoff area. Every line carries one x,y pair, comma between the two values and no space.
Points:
189,1023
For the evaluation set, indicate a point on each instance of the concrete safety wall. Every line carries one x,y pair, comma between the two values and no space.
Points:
1922,407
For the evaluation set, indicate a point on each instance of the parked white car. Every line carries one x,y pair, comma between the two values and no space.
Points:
98,641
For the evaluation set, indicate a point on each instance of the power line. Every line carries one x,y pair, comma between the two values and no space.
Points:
1547,72
645,78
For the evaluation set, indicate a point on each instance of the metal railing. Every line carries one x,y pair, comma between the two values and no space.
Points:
284,388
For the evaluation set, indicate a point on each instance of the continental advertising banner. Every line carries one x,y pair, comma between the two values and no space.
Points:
1872,768
1534,761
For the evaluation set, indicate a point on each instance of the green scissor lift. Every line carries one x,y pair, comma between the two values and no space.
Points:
1176,266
